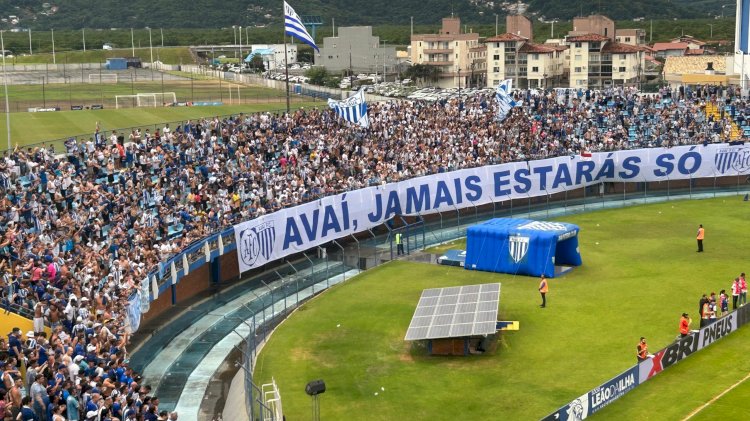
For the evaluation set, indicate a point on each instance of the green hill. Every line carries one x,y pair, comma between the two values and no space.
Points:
72,14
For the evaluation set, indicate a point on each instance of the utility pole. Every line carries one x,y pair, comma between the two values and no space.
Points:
54,60
30,49
150,45
5,86
496,32
132,41
83,31
651,32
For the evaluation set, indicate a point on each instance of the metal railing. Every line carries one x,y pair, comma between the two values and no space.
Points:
376,244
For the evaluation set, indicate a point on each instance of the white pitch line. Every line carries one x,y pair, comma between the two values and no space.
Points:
717,397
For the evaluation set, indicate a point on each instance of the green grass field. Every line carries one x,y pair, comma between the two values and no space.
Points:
168,55
640,273
185,90
28,128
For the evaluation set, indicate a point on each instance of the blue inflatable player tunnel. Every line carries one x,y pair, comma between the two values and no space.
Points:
522,246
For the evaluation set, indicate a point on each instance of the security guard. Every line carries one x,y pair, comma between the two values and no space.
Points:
699,237
543,289
399,244
684,325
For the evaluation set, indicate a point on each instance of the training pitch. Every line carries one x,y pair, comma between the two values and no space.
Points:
30,128
640,273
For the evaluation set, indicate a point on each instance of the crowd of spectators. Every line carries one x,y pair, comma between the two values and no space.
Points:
82,228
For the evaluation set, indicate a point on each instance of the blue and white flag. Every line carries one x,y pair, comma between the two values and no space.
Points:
134,311
352,109
504,99
294,27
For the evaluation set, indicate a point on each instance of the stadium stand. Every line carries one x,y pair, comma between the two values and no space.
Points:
81,230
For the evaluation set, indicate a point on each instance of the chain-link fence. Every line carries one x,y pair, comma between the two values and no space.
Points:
58,145
92,86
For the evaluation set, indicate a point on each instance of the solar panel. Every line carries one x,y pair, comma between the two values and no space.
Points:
455,312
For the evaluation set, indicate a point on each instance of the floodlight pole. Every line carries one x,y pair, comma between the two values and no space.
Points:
286,71
54,61
150,46
83,32
132,41
30,49
5,86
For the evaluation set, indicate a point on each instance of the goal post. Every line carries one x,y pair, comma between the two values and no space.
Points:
145,99
103,78
156,99
126,101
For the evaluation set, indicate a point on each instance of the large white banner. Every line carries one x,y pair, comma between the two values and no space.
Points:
299,228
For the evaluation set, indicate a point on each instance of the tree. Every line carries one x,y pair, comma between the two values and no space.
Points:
318,75
423,72
256,62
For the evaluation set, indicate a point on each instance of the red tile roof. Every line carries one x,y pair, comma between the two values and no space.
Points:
505,37
619,48
694,52
664,46
587,38
529,47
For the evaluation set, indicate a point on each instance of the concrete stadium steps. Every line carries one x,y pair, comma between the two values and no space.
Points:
170,357
195,388
713,110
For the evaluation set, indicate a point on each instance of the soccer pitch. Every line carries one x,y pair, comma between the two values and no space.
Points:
29,128
640,273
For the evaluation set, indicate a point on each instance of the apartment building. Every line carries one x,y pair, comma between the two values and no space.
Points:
450,50
594,24
598,62
633,37
530,65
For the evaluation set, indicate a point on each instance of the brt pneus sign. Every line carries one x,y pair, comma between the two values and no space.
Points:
686,346
598,398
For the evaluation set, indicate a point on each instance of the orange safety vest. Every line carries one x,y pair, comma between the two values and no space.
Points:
543,286
643,353
700,234
684,326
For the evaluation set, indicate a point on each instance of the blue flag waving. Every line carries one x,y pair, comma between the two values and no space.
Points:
504,99
352,109
294,27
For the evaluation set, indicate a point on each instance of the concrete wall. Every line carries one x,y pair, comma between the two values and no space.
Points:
519,25
594,24
367,55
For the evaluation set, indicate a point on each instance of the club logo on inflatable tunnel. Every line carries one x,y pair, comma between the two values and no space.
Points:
517,247
256,242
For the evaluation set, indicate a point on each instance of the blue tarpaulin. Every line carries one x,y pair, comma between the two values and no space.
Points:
522,246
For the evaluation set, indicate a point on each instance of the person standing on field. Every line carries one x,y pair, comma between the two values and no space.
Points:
743,290
543,289
685,325
736,289
699,237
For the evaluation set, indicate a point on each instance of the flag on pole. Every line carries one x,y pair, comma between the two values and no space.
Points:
294,27
504,99
352,109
